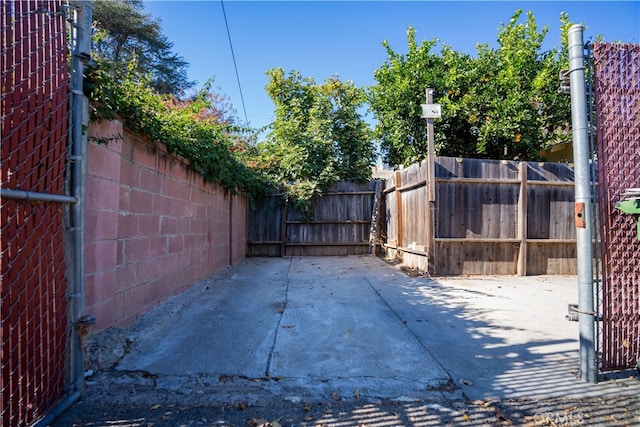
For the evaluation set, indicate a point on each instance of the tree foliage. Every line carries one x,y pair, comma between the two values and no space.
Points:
396,99
318,136
502,103
218,107
123,31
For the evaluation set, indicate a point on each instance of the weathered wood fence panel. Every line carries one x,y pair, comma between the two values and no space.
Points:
551,236
264,226
340,224
490,217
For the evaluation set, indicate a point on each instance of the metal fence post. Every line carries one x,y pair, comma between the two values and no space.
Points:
78,123
429,112
586,316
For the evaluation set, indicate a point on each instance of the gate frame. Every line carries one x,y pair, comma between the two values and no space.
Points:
618,340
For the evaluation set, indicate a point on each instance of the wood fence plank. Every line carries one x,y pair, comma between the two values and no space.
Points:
522,220
399,211
283,230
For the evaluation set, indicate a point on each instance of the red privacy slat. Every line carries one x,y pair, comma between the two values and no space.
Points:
34,100
617,95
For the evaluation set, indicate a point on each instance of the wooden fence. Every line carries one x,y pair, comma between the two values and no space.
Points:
340,223
482,217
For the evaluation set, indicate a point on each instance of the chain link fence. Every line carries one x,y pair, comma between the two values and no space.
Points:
34,102
617,95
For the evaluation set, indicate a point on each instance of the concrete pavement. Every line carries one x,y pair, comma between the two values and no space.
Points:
356,327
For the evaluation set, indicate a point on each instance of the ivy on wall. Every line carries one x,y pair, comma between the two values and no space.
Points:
219,151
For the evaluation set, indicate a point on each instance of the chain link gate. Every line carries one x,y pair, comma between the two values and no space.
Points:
616,86
34,101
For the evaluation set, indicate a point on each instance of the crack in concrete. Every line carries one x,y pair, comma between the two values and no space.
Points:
275,335
404,323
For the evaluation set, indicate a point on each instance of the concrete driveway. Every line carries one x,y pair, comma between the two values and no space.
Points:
356,327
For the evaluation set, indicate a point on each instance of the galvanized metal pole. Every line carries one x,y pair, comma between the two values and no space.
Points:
79,120
31,196
586,316
431,152
80,18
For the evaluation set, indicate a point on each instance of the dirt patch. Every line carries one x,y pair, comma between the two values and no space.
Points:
105,349
398,265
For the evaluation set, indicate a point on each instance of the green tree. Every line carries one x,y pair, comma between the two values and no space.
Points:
515,108
502,103
454,136
318,136
123,31
396,98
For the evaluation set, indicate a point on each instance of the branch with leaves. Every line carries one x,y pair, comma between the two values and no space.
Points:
501,104
318,137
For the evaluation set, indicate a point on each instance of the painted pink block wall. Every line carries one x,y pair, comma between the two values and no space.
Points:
153,227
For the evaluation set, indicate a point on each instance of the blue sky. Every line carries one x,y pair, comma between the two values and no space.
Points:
323,38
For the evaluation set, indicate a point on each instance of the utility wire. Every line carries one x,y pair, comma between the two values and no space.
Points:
235,65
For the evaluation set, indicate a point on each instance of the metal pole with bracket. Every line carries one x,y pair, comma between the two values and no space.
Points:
431,111
583,202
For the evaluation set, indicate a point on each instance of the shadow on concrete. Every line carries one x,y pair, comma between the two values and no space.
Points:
500,337
353,341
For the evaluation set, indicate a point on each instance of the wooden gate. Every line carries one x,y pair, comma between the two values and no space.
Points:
339,223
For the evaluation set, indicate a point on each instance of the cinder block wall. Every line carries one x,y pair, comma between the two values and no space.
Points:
153,227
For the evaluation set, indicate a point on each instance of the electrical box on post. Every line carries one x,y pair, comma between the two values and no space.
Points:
631,205
431,111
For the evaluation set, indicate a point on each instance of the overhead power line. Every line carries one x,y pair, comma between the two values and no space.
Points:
235,65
